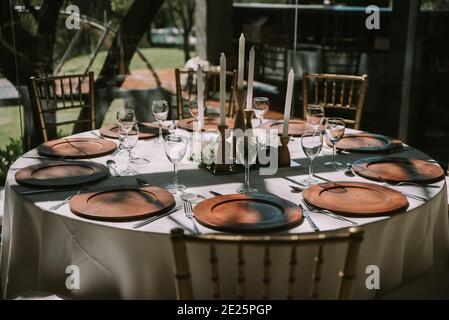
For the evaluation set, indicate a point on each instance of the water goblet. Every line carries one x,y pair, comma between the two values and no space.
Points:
160,113
311,142
335,130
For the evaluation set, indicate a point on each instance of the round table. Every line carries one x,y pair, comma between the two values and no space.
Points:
117,261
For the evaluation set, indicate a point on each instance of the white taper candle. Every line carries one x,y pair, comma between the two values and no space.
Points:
222,89
241,66
288,101
200,93
249,97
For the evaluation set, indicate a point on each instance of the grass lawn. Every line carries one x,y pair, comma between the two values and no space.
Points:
160,58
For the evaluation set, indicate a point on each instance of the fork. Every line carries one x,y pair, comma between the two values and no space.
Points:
188,210
63,202
328,213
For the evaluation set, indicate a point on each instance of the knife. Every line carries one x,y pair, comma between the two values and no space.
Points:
216,194
29,192
152,219
309,219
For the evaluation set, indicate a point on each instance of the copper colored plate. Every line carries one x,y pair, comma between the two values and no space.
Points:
122,204
355,198
61,174
367,142
395,169
247,213
77,148
146,131
295,127
209,123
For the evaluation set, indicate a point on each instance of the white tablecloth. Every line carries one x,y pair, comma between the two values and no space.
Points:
117,261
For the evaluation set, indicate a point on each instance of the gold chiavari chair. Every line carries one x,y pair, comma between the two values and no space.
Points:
352,237
186,90
344,94
63,93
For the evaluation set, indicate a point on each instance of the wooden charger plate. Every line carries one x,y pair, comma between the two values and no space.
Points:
209,123
122,204
247,213
295,127
76,148
355,198
61,174
396,169
367,142
146,131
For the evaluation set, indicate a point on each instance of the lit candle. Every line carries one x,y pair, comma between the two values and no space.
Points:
288,102
200,92
222,89
241,61
249,97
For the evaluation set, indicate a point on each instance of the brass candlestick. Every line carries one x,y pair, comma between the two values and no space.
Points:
249,115
284,153
220,165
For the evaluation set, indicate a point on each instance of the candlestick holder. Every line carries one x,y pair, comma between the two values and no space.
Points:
220,166
284,153
239,117
249,115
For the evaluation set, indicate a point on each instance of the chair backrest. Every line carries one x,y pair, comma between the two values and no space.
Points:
63,93
352,237
338,93
186,89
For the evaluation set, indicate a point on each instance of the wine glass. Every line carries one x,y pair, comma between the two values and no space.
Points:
160,113
129,140
260,106
246,155
175,149
193,109
315,115
125,119
311,142
335,129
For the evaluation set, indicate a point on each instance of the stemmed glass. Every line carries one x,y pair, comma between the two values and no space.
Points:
246,155
311,142
260,106
160,113
335,129
315,115
124,119
175,149
129,140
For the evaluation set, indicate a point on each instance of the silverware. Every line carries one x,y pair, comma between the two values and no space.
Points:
408,183
329,214
99,136
216,194
321,178
296,188
112,168
45,158
312,224
143,182
348,171
29,192
188,210
152,219
414,196
63,202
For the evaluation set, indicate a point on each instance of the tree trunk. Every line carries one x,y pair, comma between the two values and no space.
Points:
186,45
133,26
